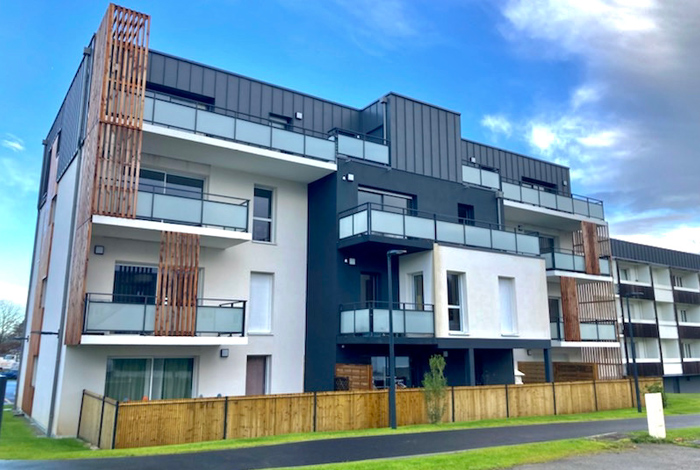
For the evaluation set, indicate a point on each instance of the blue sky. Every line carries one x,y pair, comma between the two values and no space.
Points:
605,86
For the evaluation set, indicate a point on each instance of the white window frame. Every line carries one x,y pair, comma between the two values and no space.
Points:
464,327
687,351
513,304
271,219
272,307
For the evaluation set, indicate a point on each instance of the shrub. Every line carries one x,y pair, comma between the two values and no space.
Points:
435,389
657,387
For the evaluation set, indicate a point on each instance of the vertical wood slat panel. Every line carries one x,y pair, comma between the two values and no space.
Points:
570,311
178,271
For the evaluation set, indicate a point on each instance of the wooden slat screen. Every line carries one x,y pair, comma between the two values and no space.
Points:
176,302
596,301
608,360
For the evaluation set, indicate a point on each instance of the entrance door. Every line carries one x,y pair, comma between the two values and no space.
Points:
369,287
256,375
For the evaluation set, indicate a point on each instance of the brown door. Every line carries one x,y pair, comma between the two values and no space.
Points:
255,375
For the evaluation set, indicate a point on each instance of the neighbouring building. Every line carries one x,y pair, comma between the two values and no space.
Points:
204,233
662,289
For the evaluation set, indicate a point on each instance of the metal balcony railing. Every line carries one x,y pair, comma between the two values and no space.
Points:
364,147
372,319
187,207
135,315
397,222
531,194
567,260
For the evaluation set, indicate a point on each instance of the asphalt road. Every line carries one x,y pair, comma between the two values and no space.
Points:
359,448
651,457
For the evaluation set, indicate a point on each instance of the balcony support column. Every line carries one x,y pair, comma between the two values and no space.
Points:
548,368
471,368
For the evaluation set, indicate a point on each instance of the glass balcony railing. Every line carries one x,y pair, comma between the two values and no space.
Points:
567,260
232,125
531,194
364,147
372,319
191,208
596,330
135,315
395,222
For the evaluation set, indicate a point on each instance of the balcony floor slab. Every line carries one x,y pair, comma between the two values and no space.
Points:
146,230
580,277
140,340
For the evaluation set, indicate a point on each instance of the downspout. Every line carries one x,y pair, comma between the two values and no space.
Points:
87,52
384,101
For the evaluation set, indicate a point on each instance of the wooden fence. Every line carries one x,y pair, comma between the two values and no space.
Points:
110,424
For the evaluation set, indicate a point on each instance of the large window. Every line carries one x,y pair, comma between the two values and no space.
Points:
135,284
380,371
388,200
506,291
369,287
418,294
455,302
262,215
174,185
260,317
154,378
466,214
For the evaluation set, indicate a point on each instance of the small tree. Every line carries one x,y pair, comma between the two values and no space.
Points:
10,318
435,389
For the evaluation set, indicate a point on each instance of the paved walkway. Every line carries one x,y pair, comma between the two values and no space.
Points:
358,448
644,457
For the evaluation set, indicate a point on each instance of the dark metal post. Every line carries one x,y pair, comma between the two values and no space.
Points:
392,355
548,376
3,384
634,354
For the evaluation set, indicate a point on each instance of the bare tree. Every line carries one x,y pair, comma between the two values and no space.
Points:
11,318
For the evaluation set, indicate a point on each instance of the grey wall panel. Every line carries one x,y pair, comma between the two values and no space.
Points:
68,120
249,96
370,118
652,254
515,166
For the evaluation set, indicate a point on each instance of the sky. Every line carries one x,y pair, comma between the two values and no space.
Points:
606,87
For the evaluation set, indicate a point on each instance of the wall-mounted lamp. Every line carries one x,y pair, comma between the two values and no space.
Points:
223,353
472,159
349,177
565,183
350,261
445,353
99,250
299,115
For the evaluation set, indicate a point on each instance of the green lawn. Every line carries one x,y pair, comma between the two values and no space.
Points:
685,437
18,441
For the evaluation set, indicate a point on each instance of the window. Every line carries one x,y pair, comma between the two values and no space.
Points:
260,316
369,287
418,295
262,215
506,291
380,371
391,202
539,184
155,378
279,121
625,274
546,244
160,182
135,284
676,280
687,351
466,214
454,302
256,375
683,315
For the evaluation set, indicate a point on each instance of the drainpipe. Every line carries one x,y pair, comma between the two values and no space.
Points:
87,52
384,102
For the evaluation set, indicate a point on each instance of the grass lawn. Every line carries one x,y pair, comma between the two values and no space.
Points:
689,437
18,441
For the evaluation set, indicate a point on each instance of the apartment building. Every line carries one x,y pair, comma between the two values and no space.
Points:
659,305
203,233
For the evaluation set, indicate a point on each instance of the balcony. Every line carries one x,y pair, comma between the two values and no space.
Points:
372,319
594,330
568,260
221,221
395,223
227,124
131,319
530,194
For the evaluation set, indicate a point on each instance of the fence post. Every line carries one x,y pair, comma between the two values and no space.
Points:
595,395
631,393
453,403
102,416
554,397
225,416
114,430
507,404
315,405
80,414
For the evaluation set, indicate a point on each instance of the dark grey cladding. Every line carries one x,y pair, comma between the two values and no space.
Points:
652,254
515,166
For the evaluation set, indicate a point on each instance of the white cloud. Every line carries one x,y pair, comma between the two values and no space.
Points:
600,139
16,177
543,138
584,95
13,143
14,293
498,124
682,238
